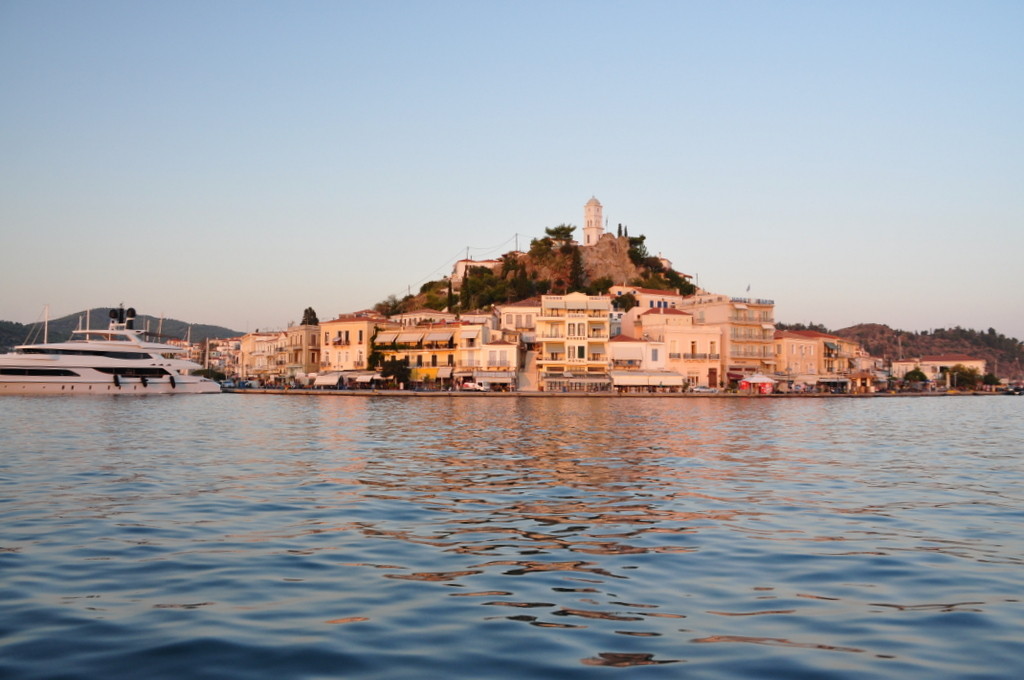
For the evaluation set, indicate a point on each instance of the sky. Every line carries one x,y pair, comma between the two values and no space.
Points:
235,162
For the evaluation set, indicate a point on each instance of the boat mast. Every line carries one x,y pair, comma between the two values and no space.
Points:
46,324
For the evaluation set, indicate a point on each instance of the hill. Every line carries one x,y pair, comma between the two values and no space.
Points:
13,333
554,265
1004,356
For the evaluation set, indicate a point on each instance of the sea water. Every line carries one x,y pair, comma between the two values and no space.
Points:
258,536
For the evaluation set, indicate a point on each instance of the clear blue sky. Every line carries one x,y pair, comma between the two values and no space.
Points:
236,162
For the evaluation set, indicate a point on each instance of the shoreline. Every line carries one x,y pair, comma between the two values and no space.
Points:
586,395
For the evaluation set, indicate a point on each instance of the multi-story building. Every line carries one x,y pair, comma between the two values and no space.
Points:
447,355
572,335
261,356
796,360
640,365
302,351
748,331
835,359
692,351
345,341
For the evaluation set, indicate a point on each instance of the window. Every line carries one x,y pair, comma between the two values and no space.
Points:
581,352
654,354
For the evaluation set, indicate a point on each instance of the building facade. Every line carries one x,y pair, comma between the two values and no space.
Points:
572,335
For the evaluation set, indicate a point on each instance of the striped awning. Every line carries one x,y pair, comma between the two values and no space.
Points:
383,338
439,336
409,337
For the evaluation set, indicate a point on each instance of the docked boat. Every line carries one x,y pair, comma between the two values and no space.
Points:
118,360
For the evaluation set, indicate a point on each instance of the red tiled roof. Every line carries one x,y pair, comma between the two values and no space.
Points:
622,337
815,334
949,357
666,310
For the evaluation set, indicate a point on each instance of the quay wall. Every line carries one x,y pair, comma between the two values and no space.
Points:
429,394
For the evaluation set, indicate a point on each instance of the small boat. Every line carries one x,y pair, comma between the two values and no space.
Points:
118,360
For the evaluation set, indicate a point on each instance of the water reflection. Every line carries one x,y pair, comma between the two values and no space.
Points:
604,532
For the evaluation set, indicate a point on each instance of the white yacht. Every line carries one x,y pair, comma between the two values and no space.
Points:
117,360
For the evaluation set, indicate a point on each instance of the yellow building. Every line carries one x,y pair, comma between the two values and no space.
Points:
302,352
345,341
573,334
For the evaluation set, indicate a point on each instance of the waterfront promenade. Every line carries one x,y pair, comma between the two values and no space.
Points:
459,394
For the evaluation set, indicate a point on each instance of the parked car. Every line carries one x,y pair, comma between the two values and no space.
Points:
704,390
479,387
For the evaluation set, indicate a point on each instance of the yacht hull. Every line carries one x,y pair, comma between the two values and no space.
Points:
132,386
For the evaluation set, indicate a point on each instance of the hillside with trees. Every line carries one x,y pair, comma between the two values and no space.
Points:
554,265
1003,355
13,333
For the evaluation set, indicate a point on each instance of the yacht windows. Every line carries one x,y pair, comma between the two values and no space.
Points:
111,354
47,372
133,371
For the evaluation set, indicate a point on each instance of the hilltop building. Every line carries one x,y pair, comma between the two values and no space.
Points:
593,222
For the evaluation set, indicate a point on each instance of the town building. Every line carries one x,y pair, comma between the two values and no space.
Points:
572,333
748,331
345,341
796,360
692,351
937,367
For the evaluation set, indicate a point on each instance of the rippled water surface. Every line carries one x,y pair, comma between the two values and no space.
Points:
252,536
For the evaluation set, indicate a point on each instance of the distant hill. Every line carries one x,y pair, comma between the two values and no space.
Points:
1004,356
13,333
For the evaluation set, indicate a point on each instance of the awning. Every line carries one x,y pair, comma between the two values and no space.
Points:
368,378
439,336
383,338
652,378
767,326
327,379
739,305
832,345
444,372
758,379
833,380
409,338
470,333
628,351
554,304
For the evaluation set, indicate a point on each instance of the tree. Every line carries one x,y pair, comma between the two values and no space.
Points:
563,232
309,318
577,275
963,378
388,306
915,375
637,250
397,369
600,286
625,302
